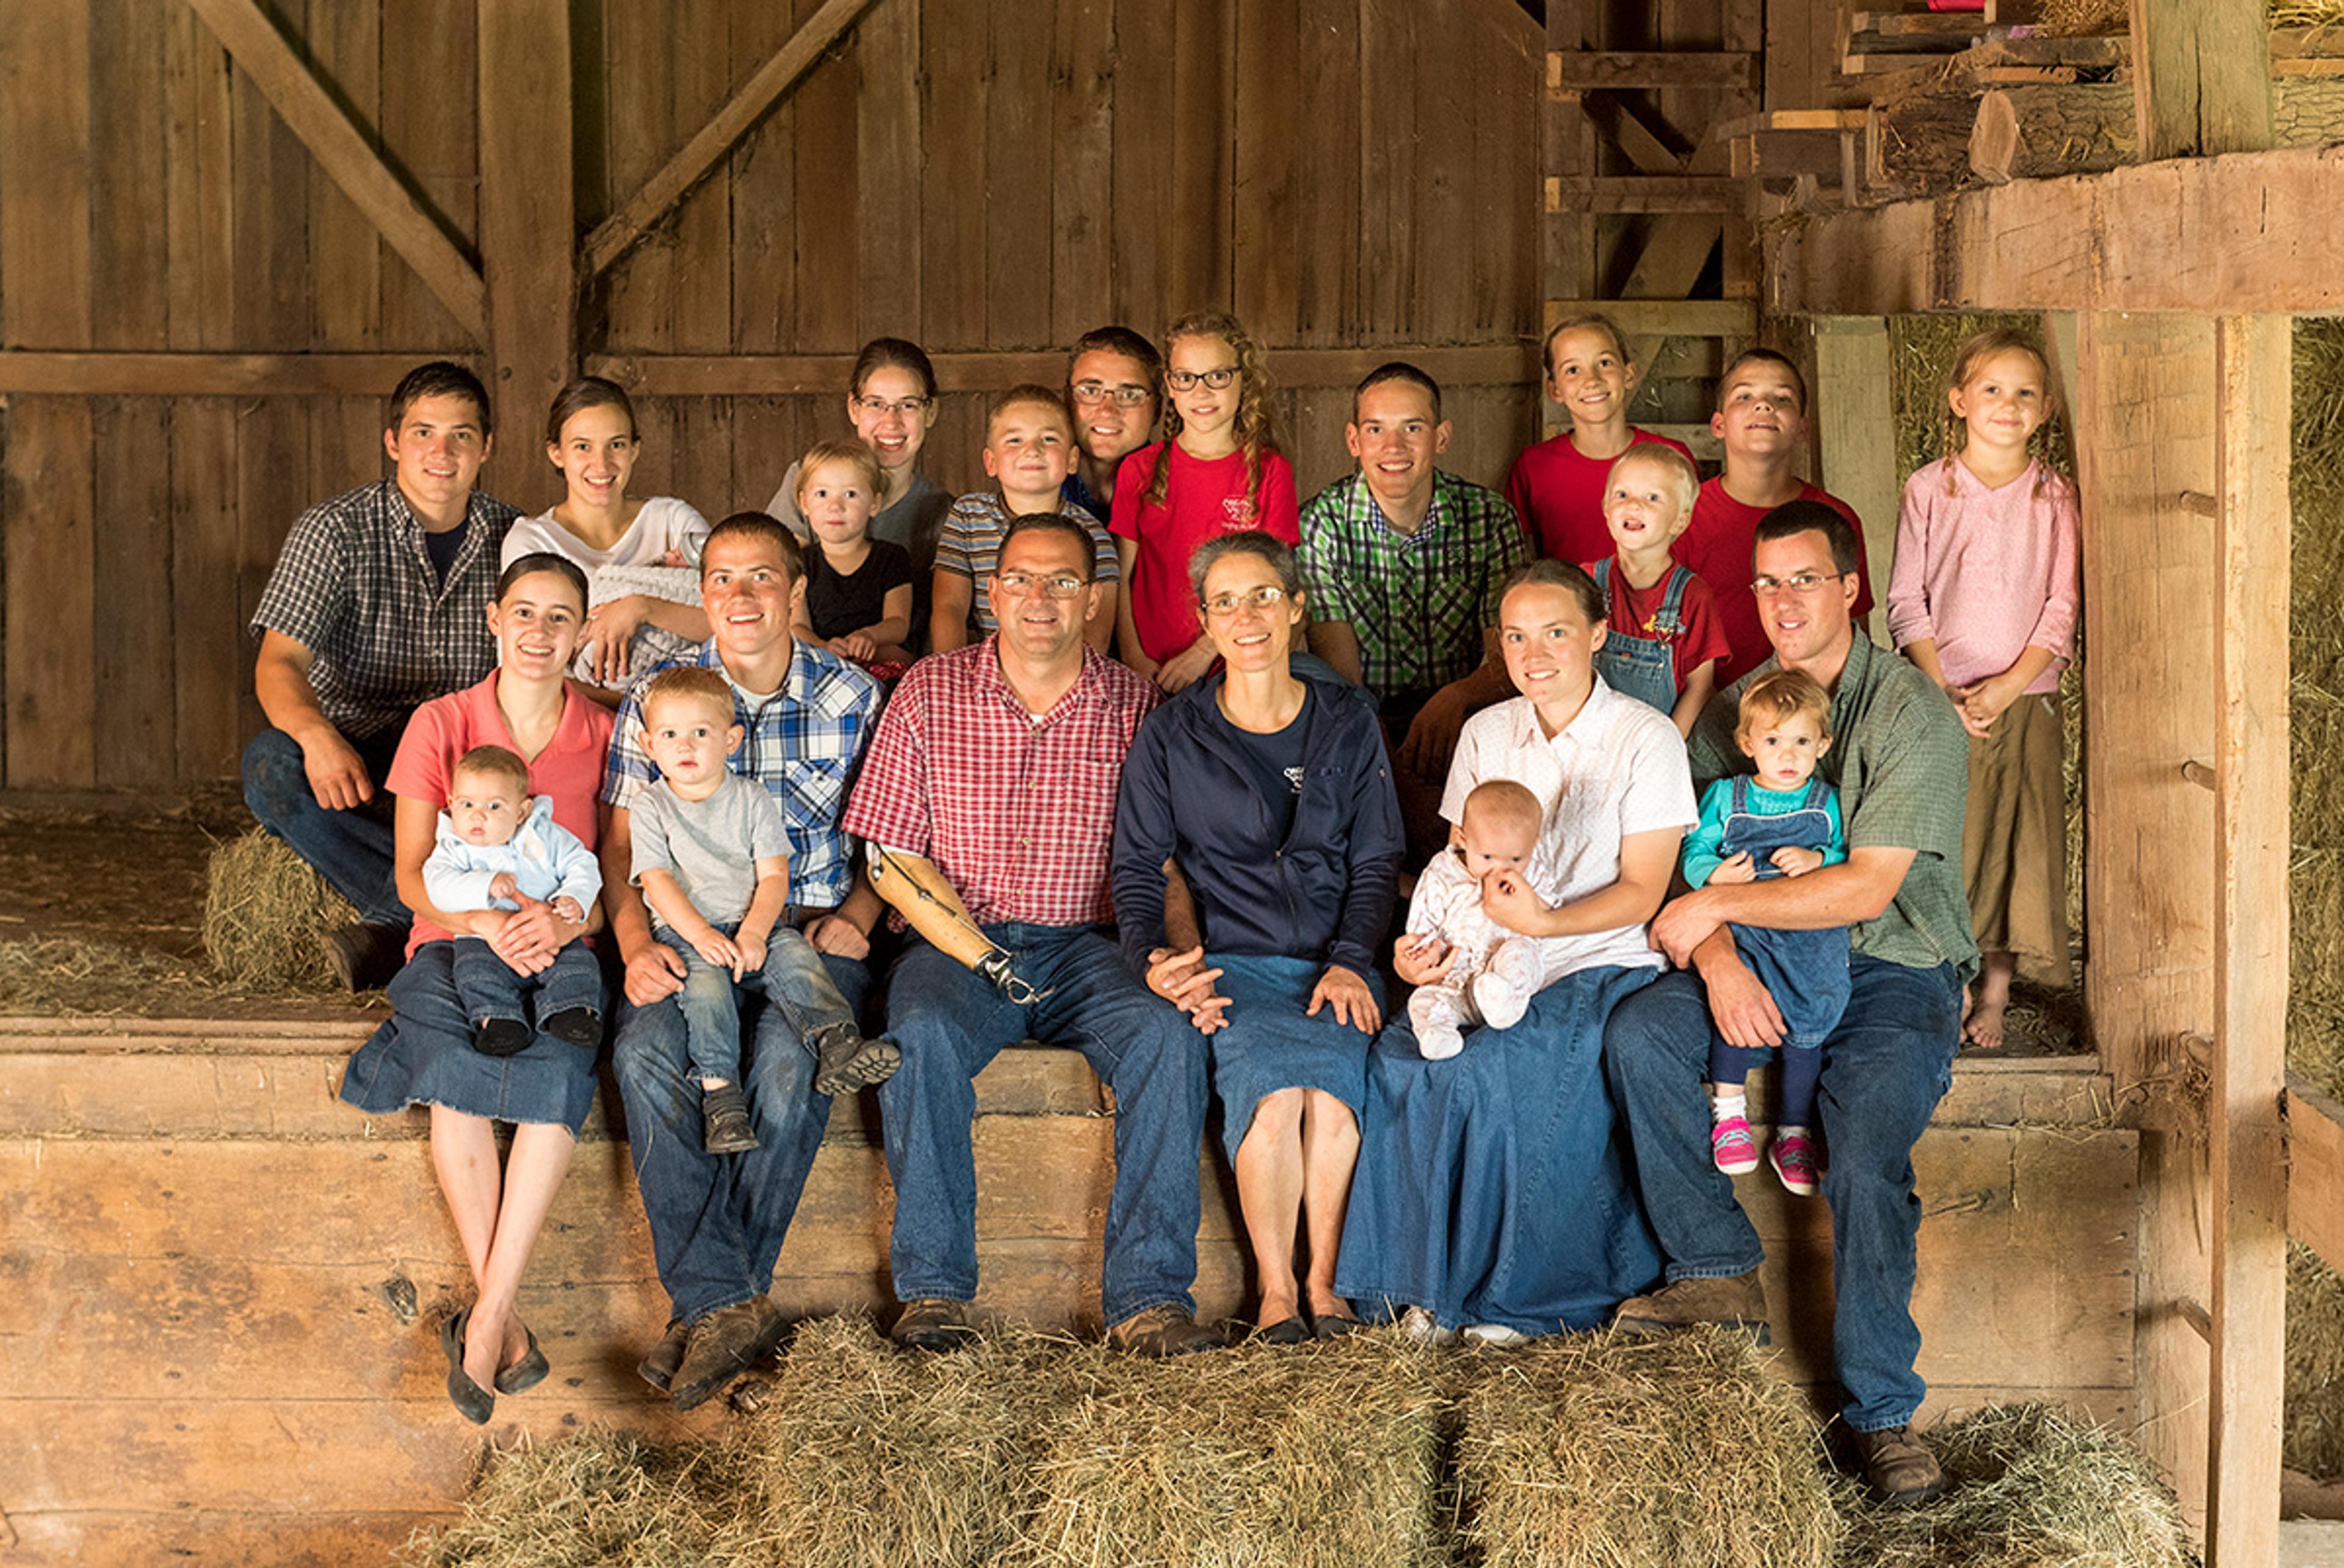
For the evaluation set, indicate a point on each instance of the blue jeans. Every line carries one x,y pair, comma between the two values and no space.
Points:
1884,1069
792,976
490,988
351,849
718,1221
949,1023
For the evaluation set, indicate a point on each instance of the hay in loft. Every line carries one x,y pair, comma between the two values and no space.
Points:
1318,1459
264,915
2028,1485
1604,1452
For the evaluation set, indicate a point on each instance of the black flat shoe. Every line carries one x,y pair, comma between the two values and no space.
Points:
1294,1330
525,1373
1334,1328
472,1402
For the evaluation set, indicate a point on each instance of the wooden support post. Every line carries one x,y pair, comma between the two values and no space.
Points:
528,226
2252,356
2144,423
2201,76
1856,428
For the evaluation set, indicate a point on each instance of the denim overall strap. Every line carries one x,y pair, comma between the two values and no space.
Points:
1643,668
1807,827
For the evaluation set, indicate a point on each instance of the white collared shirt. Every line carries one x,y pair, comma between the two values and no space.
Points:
1618,768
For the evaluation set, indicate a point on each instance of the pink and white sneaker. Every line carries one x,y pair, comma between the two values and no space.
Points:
1794,1159
1731,1145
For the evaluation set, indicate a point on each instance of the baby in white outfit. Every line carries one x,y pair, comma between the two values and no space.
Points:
1497,971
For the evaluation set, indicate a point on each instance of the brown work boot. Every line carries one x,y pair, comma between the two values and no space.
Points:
364,955
1165,1331
1736,1302
658,1368
723,1346
844,1062
934,1324
1897,1467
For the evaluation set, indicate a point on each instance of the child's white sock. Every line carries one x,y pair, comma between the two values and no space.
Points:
1726,1103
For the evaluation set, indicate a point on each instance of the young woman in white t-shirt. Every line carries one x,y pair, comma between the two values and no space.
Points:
642,558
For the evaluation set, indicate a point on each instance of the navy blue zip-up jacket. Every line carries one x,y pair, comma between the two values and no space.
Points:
1326,894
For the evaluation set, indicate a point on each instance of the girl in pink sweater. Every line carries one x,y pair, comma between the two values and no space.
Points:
1983,600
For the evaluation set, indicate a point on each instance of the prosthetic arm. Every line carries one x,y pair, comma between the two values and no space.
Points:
925,899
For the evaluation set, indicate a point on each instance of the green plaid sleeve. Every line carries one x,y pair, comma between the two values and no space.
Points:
1321,556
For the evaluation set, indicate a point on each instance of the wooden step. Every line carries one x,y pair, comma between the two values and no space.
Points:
223,1286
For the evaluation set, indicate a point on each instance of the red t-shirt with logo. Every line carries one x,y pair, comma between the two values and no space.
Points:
1559,496
1699,637
1201,498
1717,545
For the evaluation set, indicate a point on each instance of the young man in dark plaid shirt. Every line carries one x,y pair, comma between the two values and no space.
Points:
378,605
1405,567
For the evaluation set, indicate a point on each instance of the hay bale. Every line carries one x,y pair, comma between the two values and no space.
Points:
1615,1453
599,1498
2030,1484
1258,1458
2312,1433
265,913
869,1458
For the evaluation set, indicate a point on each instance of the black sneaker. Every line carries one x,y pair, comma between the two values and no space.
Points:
724,1119
500,1037
364,955
580,1026
845,1061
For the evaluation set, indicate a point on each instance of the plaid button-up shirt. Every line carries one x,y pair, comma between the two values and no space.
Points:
1417,601
802,744
355,586
1017,812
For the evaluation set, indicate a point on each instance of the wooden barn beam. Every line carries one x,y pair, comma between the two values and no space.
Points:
2201,76
1577,70
2254,388
529,225
341,148
790,375
2237,234
198,375
713,141
2315,1170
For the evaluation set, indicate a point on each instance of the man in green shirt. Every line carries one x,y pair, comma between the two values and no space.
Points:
1900,763
1404,566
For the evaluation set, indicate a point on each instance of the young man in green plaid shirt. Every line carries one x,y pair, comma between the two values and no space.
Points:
1404,566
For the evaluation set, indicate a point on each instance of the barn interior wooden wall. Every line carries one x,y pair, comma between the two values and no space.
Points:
991,179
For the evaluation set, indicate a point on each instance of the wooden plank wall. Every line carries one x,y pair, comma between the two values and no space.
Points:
1002,176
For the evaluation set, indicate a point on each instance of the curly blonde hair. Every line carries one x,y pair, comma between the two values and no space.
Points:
1257,420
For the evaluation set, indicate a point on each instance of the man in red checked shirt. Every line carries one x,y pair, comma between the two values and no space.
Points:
988,797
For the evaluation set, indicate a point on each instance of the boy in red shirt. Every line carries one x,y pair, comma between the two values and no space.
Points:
1662,641
1762,417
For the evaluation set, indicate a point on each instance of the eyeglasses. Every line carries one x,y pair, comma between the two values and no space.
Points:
1806,582
1184,381
880,408
1125,396
1265,597
1018,583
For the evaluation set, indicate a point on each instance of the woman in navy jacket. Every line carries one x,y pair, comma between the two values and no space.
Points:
1270,793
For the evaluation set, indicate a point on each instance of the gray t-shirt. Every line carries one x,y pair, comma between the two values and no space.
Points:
710,846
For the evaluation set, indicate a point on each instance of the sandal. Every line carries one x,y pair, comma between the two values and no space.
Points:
472,1402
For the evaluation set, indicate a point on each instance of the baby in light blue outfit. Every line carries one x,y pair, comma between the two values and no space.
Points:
496,845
